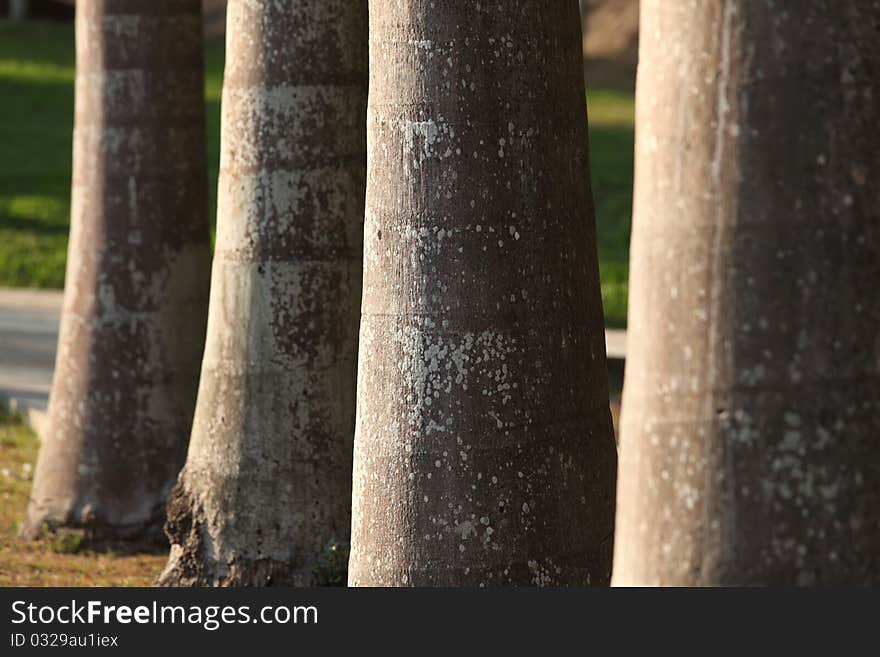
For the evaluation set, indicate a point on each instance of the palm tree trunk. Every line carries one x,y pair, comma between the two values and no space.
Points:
265,494
484,451
19,9
751,409
135,301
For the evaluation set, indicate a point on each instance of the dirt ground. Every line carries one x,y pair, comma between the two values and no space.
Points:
61,559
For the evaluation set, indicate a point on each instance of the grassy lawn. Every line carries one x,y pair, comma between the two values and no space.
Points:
612,140
56,561
36,120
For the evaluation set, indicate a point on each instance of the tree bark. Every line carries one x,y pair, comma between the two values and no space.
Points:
484,449
751,409
266,492
135,301
19,9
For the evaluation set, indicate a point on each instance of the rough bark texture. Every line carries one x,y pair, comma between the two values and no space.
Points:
135,300
484,451
266,490
751,410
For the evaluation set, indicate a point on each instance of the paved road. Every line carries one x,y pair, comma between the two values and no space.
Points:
28,337
615,344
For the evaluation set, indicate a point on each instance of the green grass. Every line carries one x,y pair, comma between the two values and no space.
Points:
37,67
36,122
612,117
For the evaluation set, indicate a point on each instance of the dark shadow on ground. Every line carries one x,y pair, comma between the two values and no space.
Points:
618,74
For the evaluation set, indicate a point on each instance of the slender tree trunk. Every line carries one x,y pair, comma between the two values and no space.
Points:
19,9
135,300
484,450
266,491
751,410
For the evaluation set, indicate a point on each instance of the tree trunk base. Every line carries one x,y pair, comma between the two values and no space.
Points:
193,561
187,568
95,536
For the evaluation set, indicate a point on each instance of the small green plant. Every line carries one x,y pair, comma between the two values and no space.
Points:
332,569
67,542
9,414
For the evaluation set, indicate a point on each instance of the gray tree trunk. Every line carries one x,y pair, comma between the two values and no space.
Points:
484,451
19,9
266,491
136,292
751,410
